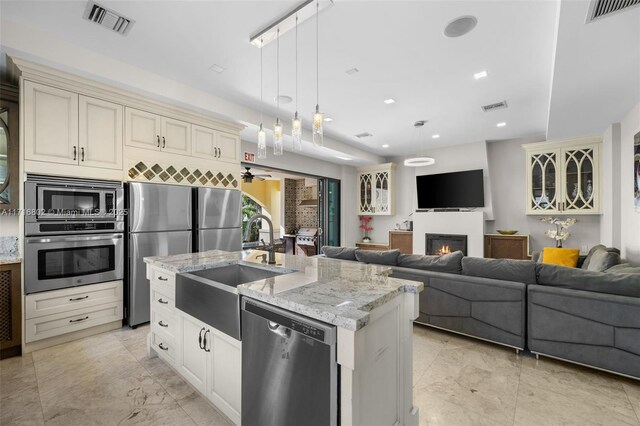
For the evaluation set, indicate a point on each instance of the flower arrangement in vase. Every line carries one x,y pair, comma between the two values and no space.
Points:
561,232
364,225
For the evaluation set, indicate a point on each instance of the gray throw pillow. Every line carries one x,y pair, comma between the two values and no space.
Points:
587,261
601,260
522,271
379,257
449,263
344,253
578,279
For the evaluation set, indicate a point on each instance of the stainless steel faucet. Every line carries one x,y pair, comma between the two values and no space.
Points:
270,248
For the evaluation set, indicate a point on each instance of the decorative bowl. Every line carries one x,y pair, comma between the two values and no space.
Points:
507,231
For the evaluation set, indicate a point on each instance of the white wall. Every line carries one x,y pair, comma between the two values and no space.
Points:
508,179
630,216
610,197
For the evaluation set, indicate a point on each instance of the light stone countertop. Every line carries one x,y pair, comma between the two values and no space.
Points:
10,260
338,292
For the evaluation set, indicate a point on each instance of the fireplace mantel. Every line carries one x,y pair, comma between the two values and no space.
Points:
470,224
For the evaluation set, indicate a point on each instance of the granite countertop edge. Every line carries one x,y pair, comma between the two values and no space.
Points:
10,260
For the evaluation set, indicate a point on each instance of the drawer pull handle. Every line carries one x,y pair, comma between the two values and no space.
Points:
80,319
161,278
161,324
163,347
158,136
164,302
164,142
78,298
75,151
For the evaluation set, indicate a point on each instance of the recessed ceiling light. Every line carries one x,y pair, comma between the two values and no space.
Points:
389,101
386,145
343,158
460,26
328,119
352,71
217,68
435,136
481,74
284,99
363,135
501,124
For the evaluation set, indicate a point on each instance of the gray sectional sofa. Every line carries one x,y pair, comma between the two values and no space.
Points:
575,314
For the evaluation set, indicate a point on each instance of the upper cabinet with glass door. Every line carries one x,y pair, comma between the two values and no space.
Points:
376,194
563,177
9,179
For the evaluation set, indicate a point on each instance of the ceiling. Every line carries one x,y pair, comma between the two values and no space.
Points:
400,52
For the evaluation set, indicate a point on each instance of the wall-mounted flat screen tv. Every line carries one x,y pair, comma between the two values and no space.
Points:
451,190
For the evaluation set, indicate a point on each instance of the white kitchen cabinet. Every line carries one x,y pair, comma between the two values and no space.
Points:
224,372
100,135
376,190
213,144
50,124
155,132
563,177
193,356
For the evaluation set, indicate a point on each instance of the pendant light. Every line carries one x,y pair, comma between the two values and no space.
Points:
419,161
262,135
317,116
277,128
296,122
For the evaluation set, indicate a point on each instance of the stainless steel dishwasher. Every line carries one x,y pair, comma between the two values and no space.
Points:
289,368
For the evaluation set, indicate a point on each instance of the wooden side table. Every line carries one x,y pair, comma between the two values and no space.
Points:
372,246
10,310
497,246
401,240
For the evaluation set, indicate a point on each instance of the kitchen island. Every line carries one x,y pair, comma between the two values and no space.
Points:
372,313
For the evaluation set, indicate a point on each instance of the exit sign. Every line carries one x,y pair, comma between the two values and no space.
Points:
249,157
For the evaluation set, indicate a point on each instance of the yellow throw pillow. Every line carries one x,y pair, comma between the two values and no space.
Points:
561,256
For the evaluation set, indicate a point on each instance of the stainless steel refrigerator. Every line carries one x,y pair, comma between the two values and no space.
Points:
218,219
160,224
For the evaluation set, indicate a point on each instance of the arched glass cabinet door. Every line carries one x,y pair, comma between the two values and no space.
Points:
366,193
5,174
580,179
8,151
543,168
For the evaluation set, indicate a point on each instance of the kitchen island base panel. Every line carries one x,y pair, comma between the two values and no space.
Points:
70,337
374,358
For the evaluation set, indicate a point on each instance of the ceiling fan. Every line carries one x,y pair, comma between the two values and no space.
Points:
248,177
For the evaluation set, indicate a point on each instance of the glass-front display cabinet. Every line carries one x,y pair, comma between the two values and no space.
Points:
9,179
563,176
376,195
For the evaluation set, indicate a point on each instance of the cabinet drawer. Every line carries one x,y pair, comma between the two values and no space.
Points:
164,323
163,279
160,299
69,299
164,347
73,320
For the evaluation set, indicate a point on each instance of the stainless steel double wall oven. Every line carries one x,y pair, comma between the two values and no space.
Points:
73,232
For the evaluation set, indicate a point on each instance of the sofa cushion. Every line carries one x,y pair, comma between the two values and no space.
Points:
451,263
379,257
601,260
344,253
579,279
522,271
560,256
624,268
587,260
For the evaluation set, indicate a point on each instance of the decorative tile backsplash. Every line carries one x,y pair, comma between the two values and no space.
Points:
8,247
164,173
296,216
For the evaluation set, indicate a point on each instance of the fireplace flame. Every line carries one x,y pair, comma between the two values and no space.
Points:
445,249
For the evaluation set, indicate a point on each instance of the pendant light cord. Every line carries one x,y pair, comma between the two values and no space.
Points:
317,53
278,73
296,64
261,47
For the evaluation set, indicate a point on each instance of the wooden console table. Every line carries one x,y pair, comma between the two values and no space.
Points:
497,246
372,246
401,240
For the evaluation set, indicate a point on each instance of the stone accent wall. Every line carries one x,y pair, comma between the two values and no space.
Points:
296,216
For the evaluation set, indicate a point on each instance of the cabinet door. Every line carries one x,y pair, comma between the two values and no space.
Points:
580,187
544,192
50,124
176,136
365,190
204,141
192,360
142,129
100,137
228,148
224,374
382,195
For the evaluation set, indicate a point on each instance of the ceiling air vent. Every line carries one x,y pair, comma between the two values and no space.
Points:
107,18
493,107
602,8
363,135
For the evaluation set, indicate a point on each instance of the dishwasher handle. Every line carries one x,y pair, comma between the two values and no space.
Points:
281,331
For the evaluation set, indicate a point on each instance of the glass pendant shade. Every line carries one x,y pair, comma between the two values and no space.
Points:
262,143
277,138
296,132
317,127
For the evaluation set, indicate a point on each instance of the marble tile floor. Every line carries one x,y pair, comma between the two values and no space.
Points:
107,379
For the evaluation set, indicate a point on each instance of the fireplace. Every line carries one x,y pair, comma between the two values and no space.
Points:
445,243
